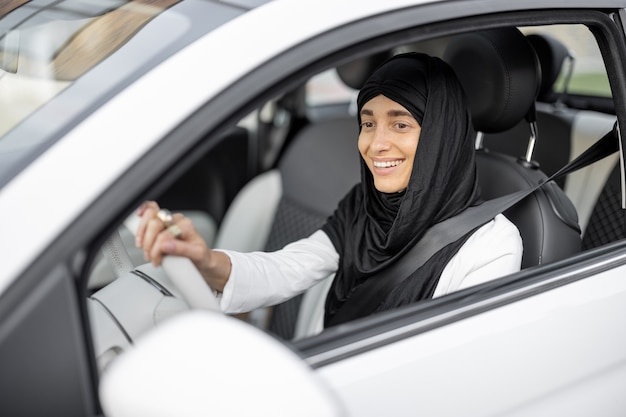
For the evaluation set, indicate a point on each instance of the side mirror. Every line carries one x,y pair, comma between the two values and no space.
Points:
202,363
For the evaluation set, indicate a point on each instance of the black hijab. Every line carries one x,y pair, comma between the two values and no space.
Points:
370,229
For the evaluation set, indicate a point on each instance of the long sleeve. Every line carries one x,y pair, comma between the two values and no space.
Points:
492,251
260,279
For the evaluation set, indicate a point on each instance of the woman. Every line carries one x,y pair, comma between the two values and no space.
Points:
417,169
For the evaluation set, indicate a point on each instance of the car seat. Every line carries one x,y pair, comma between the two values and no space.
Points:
563,132
501,76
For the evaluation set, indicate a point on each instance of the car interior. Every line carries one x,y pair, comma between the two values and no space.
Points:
277,175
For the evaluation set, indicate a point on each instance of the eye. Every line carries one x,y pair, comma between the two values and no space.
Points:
402,125
367,125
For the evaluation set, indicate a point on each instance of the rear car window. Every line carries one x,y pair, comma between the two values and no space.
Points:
583,72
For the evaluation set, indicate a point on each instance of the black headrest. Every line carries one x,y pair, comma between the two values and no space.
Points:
355,73
551,53
500,73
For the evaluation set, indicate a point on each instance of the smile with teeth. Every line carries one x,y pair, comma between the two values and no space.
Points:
387,164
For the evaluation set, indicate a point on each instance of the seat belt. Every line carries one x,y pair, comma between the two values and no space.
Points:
367,297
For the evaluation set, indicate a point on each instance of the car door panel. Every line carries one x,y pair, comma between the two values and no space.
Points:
556,353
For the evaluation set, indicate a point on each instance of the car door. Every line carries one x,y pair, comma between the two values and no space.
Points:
537,350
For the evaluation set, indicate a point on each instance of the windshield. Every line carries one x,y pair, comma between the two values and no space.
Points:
61,59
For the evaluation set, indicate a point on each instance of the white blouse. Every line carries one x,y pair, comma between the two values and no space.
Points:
261,279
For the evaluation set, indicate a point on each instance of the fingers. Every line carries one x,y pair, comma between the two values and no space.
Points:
154,227
160,240
180,239
147,212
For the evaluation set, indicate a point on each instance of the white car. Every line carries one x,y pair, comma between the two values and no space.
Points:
240,114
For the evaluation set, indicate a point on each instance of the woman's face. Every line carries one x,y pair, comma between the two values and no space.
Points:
388,142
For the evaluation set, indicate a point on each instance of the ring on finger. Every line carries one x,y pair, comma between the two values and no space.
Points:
165,216
175,230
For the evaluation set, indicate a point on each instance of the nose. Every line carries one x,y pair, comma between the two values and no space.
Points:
380,141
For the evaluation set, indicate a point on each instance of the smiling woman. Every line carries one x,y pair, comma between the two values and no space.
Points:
431,177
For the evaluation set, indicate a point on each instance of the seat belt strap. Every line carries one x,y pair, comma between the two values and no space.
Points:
372,292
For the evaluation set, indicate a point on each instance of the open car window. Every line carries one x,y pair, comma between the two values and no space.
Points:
326,99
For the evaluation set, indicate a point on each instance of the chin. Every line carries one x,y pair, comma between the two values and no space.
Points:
389,188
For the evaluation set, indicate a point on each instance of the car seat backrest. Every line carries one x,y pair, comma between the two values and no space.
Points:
500,73
291,201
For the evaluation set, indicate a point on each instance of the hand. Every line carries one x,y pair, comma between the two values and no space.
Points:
181,238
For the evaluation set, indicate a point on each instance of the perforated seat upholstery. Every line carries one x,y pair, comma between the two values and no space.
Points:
607,221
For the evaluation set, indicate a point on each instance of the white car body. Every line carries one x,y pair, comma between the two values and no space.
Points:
500,356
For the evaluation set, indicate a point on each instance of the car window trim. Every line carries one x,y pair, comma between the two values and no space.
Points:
306,64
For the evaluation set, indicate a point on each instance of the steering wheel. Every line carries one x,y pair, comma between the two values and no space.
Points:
116,325
181,272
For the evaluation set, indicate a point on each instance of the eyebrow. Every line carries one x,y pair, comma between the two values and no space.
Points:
399,113
392,113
